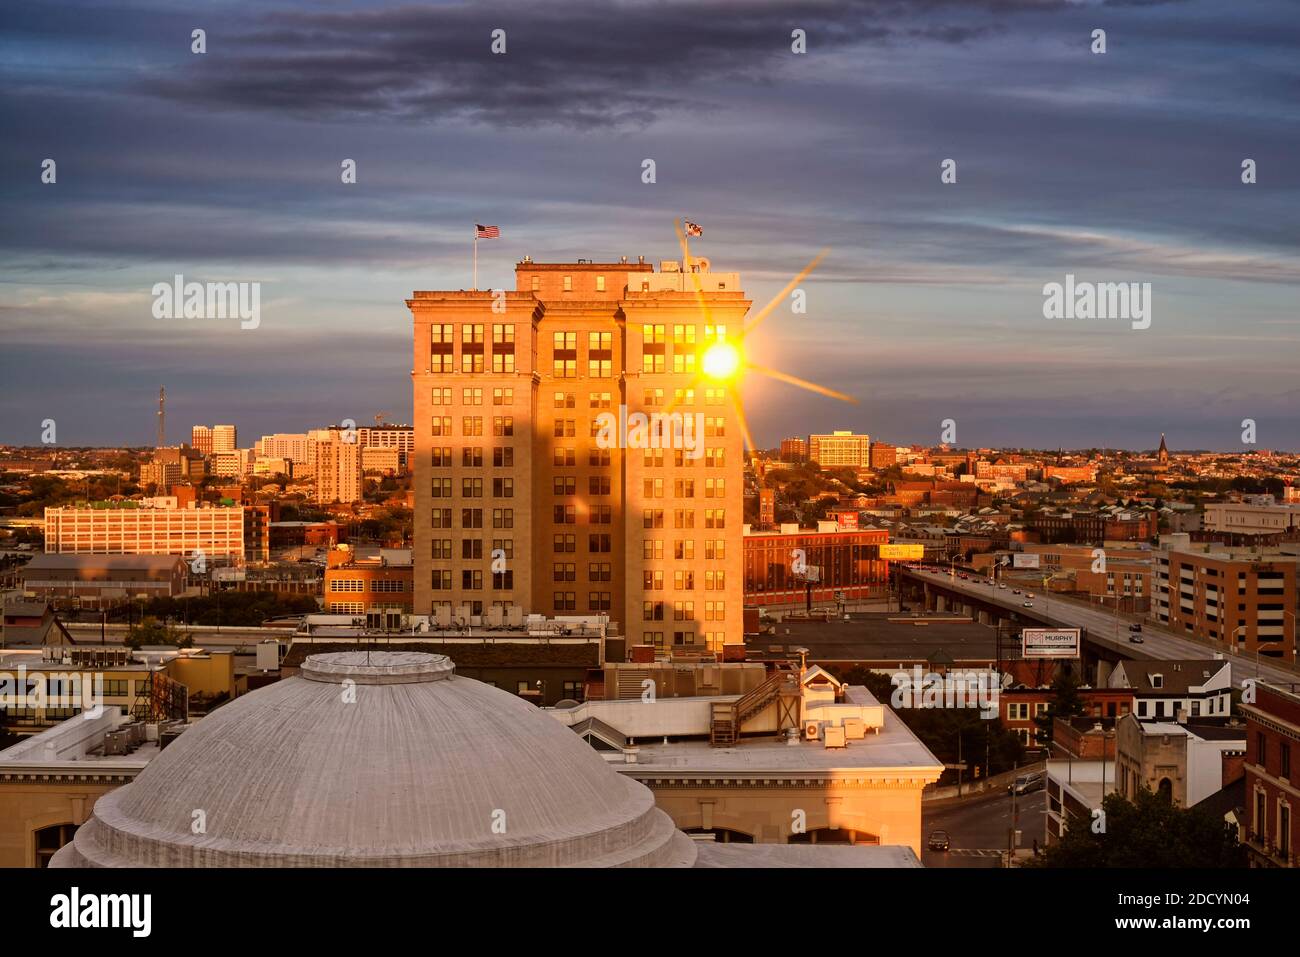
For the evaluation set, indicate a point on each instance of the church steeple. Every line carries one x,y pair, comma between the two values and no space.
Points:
1163,454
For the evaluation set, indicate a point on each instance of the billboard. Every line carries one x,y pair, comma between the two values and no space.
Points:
1050,642
1024,560
847,521
903,552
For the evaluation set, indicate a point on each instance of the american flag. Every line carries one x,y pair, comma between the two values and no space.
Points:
693,230
487,232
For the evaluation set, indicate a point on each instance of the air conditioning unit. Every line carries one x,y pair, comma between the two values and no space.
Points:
812,730
833,736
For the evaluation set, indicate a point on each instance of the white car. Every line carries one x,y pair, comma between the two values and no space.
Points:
1029,604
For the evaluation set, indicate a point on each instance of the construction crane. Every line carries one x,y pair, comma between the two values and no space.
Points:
162,417
380,417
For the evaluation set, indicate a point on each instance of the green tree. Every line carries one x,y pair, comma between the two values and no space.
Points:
1147,832
151,631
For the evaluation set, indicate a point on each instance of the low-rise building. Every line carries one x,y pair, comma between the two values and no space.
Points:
1186,761
800,758
1165,689
98,581
50,781
375,582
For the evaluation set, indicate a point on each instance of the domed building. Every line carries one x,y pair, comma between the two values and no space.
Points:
378,759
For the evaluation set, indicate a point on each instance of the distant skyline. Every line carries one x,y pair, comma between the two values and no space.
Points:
225,166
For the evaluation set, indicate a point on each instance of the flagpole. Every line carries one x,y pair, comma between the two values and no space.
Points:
475,286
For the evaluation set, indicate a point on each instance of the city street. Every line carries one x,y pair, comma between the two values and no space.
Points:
977,828
1101,625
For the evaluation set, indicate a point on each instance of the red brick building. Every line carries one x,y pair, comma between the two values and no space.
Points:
846,564
1019,706
1272,799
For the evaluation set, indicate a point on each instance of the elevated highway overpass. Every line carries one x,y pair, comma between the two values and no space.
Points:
1105,633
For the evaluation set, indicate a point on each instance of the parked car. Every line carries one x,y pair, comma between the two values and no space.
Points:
938,841
1029,782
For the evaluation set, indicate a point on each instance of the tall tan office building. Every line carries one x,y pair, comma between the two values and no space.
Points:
510,456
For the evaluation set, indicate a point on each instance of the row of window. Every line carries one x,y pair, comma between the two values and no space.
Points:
568,572
473,518
652,549
596,601
472,425
471,456
683,580
684,518
682,610
471,579
500,396
473,488
375,585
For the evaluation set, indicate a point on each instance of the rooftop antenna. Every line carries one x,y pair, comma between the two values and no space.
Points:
162,417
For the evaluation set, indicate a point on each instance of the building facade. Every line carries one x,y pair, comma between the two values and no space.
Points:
215,531
523,499
1244,599
780,565
1272,798
840,450
338,470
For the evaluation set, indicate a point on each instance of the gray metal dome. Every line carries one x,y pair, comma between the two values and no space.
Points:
382,759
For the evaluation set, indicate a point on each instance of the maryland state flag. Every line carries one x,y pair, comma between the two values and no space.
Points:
693,229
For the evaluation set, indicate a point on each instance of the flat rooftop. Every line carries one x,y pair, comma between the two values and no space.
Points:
895,747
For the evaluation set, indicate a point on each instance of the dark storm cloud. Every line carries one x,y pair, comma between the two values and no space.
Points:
584,65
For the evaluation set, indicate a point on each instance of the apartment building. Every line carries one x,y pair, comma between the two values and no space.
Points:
525,496
1244,598
840,450
338,468
130,528
794,450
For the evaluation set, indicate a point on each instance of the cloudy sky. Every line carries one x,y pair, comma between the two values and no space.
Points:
225,166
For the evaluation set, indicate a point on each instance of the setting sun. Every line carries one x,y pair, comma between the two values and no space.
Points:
721,361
